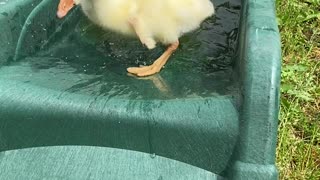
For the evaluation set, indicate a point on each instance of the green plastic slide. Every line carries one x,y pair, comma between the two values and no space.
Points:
69,110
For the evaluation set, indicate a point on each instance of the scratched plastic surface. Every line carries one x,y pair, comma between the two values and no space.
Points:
89,60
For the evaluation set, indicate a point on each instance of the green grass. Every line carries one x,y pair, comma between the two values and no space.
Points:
298,150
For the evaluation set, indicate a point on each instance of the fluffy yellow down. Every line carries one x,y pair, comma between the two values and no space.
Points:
162,20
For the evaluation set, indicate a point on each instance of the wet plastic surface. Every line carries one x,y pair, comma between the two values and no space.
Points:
64,82
86,59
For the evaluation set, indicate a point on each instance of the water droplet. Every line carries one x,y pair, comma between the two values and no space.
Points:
153,155
28,22
160,178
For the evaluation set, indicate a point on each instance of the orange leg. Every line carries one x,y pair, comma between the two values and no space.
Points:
157,65
64,7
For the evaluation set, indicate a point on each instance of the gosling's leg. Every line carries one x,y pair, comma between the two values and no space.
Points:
157,65
65,6
142,32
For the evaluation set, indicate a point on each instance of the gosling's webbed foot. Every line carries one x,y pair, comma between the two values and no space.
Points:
157,65
145,70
